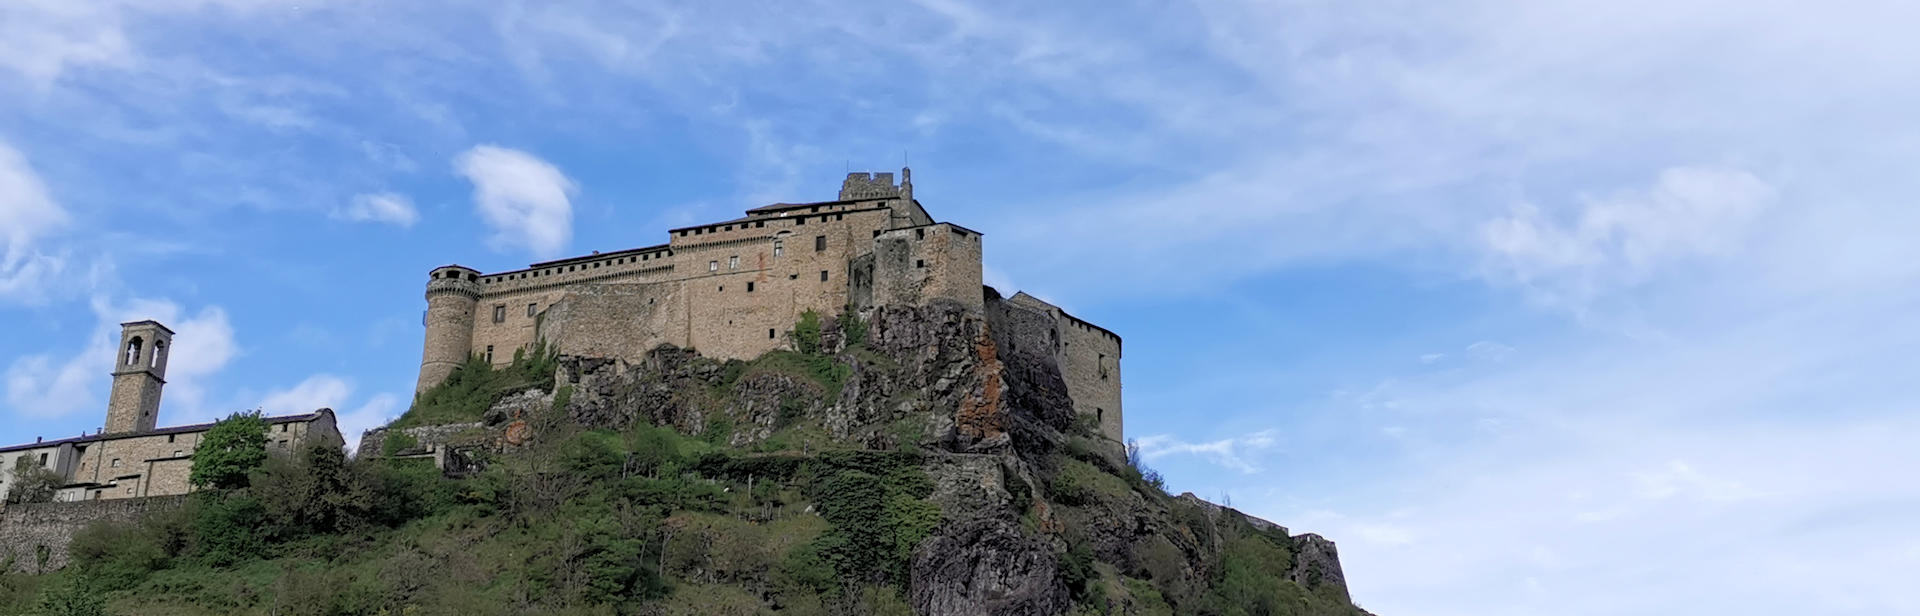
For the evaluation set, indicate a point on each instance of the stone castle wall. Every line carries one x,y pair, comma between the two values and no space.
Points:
917,265
30,532
732,290
1089,358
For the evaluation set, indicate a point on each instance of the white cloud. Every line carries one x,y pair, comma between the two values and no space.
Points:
1488,350
524,199
317,392
1688,212
1238,453
389,208
40,39
50,385
27,213
329,391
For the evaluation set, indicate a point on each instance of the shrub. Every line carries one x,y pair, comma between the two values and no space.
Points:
230,450
854,328
314,491
806,333
397,441
227,527
116,556
474,386
70,599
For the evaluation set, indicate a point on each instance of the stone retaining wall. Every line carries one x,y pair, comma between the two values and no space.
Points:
34,538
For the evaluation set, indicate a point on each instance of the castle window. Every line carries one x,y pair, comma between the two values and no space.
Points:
920,234
177,453
920,263
43,459
800,221
839,216
1100,415
769,337
283,427
793,276
816,209
733,262
723,288
532,308
489,354
760,224
133,351
779,247
159,348
876,233
115,463
713,266
823,275
170,437
500,313
819,243
749,287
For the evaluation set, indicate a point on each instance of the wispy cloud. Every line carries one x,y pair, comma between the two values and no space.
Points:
334,392
27,212
1240,453
388,208
525,200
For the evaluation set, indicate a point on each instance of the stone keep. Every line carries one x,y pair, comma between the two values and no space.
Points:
139,372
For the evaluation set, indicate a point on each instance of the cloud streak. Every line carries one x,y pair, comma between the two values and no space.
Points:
525,200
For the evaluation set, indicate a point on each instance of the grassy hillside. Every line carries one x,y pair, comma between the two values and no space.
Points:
663,519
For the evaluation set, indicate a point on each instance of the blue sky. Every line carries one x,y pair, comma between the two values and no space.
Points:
1558,307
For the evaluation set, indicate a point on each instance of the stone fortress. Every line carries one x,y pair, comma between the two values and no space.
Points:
130,457
732,289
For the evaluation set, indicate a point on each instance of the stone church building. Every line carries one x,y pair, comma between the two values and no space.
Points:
131,457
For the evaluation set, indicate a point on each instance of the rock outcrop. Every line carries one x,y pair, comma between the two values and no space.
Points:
1022,481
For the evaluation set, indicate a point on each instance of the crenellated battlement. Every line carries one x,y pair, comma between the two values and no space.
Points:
865,185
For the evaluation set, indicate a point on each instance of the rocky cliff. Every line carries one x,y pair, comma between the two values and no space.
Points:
1038,513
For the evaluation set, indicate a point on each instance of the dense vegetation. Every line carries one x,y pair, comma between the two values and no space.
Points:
649,520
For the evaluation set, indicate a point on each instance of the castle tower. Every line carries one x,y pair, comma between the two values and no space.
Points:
139,371
453,293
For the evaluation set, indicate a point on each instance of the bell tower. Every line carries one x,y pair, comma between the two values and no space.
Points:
139,371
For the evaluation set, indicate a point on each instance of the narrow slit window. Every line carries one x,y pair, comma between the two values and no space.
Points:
823,275
819,243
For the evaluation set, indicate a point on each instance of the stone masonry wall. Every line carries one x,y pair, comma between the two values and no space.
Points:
1089,359
912,267
28,531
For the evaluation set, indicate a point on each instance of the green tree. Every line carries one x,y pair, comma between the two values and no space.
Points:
232,448
32,483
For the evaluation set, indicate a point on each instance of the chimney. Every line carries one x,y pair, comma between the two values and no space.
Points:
36,440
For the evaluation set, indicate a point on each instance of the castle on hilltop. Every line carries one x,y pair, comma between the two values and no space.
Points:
732,289
130,457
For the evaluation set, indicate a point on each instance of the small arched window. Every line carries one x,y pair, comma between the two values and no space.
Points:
133,351
159,348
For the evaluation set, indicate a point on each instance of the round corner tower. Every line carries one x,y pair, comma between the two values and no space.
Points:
453,293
